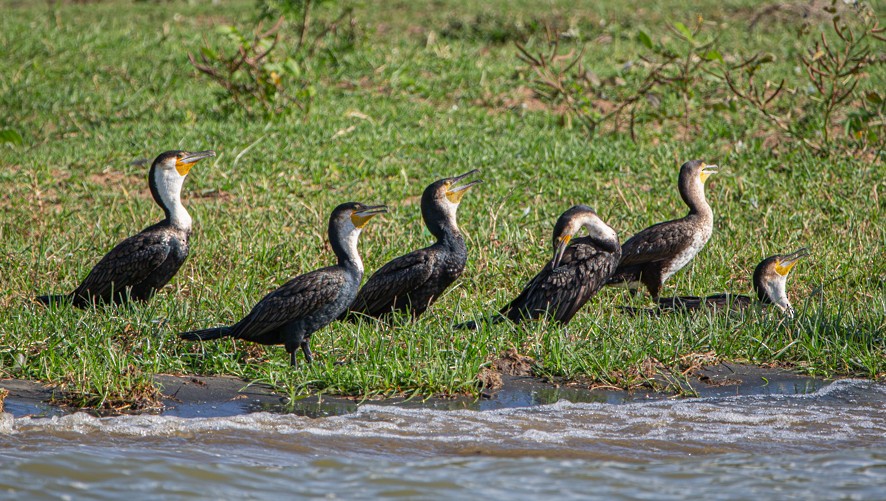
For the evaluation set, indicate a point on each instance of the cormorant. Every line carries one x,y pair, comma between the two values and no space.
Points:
298,308
769,281
143,263
414,281
653,255
579,268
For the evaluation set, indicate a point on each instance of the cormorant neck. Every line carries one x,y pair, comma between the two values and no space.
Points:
344,245
692,192
774,292
443,223
166,186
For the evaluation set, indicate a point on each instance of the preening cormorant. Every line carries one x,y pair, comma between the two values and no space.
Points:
293,312
414,281
578,269
769,282
653,255
143,263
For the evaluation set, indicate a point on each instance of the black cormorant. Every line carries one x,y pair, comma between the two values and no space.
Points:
769,281
290,314
414,281
653,255
143,263
579,268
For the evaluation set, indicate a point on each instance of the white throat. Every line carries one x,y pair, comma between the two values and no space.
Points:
778,295
597,228
450,211
351,237
169,187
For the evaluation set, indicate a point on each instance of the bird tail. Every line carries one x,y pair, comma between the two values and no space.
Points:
206,334
474,325
53,299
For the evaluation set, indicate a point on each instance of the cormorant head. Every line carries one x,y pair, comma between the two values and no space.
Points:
345,224
693,175
166,177
570,222
180,161
440,200
770,277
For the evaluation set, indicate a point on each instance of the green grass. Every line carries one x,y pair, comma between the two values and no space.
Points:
93,87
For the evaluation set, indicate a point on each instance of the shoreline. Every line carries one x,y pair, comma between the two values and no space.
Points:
216,396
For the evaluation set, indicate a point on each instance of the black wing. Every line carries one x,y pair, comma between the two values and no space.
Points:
130,262
395,279
301,296
561,292
656,243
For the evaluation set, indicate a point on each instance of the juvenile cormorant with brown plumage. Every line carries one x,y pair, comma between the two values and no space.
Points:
770,277
578,269
143,263
414,281
656,253
298,308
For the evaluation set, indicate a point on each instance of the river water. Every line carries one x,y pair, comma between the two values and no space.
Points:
827,444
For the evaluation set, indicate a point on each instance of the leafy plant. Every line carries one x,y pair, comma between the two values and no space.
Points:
637,94
254,74
259,73
834,65
311,31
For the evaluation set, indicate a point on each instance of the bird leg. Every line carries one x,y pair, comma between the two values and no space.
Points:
306,348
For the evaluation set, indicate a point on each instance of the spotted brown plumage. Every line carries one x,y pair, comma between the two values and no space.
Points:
292,313
143,263
653,255
413,282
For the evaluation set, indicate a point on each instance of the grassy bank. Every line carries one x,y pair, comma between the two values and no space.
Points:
426,92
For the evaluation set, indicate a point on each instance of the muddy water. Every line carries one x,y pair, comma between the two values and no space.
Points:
826,444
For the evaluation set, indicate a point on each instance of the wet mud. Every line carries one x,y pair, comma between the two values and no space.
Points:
196,396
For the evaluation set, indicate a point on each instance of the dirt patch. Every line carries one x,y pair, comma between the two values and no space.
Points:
139,395
213,194
777,14
489,379
114,178
512,363
521,98
509,364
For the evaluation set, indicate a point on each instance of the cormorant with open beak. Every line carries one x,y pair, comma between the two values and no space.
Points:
143,263
293,312
579,268
769,282
414,281
656,253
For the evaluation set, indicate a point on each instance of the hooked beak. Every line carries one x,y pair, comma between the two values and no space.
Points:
785,264
362,216
455,192
183,165
561,249
707,171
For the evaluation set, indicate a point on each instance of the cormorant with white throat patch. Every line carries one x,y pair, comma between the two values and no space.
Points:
143,263
770,278
414,281
309,302
579,268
